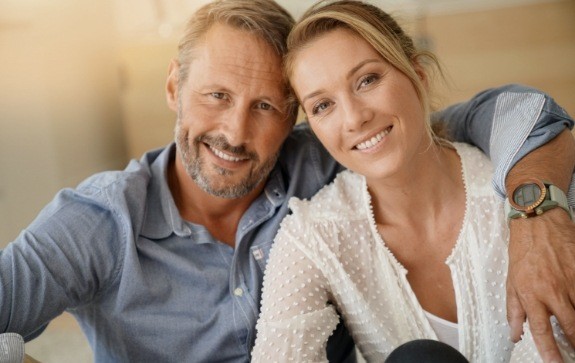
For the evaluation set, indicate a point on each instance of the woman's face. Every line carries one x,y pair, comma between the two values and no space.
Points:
364,111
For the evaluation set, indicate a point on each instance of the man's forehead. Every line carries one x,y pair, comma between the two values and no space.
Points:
226,41
229,52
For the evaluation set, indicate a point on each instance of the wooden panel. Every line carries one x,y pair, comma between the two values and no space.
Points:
532,45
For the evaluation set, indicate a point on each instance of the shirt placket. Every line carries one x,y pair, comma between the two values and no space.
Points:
243,283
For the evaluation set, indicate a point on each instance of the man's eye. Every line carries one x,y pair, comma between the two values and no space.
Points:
218,95
264,106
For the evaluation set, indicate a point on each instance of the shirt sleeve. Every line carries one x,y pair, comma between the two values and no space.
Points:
295,320
62,260
506,123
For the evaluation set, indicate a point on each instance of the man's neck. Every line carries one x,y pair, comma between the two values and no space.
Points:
220,216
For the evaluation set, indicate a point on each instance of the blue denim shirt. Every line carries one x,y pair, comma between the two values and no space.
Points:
148,286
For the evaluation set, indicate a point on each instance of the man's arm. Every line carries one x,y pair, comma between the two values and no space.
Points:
66,256
508,123
541,275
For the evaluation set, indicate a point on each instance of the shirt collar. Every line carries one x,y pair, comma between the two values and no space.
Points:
162,217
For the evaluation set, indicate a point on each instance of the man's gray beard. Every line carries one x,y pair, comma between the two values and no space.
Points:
195,168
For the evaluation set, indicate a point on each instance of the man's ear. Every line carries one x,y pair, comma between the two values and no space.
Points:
172,85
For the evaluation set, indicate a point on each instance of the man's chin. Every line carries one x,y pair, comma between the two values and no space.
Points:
229,193
225,183
229,190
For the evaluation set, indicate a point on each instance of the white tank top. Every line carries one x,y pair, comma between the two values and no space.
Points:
446,331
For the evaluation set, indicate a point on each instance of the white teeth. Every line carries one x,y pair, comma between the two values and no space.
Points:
373,141
225,156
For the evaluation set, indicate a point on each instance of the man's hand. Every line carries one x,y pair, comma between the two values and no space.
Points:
541,279
541,276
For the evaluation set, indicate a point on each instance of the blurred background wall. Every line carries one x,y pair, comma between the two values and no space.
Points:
82,88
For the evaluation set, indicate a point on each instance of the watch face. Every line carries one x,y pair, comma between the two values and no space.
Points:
528,196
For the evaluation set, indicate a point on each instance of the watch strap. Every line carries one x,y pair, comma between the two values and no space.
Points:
555,198
557,195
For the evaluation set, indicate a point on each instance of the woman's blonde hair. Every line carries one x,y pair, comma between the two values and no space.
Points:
376,27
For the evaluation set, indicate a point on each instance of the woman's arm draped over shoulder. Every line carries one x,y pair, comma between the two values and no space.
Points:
295,320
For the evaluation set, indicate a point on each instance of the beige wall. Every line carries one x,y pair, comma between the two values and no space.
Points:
148,121
532,44
60,117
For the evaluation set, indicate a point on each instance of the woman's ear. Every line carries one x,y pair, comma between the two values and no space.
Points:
172,87
421,73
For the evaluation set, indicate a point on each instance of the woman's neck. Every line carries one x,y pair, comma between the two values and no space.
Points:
419,213
430,183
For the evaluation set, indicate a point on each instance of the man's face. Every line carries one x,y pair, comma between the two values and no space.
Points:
231,110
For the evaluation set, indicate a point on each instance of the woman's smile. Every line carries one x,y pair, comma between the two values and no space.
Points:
373,141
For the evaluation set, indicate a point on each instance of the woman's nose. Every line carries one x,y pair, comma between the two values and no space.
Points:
356,113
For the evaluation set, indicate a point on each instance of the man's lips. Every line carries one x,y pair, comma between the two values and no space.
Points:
227,157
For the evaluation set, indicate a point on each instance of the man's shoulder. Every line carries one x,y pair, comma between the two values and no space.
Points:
303,159
101,206
300,140
126,188
130,180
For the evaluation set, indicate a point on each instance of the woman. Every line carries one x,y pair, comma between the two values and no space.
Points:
410,242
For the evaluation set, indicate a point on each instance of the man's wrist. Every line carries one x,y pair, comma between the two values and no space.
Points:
555,217
535,197
544,163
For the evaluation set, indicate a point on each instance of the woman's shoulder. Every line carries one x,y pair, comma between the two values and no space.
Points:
314,223
476,169
471,154
341,199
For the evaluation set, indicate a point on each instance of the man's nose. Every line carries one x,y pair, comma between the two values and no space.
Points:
237,126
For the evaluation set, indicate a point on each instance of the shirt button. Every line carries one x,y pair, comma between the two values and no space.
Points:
238,291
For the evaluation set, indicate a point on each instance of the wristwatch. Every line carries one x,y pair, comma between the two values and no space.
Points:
534,197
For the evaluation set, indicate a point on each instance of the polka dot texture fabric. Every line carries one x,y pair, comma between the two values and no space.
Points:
328,260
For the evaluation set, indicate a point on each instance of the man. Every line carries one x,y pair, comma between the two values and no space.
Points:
164,261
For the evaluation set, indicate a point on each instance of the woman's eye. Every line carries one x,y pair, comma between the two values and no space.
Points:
367,80
319,107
